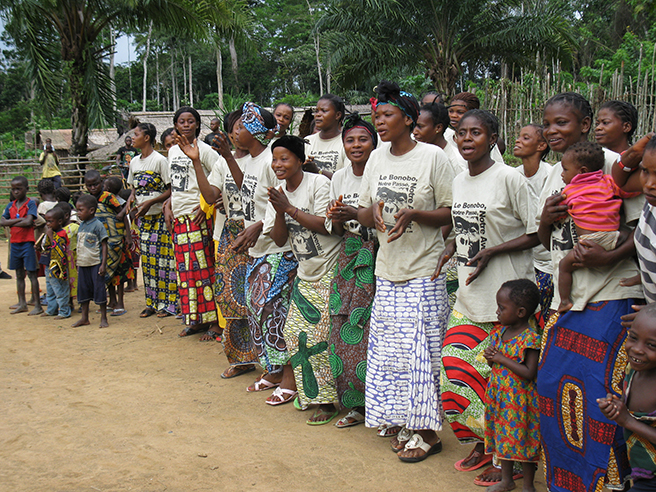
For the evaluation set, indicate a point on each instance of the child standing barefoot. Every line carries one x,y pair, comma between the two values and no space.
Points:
511,400
636,412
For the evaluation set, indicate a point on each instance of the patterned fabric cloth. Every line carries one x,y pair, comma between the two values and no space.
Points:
71,231
158,264
195,266
545,284
307,331
351,297
230,288
408,320
269,286
58,250
582,360
512,419
118,261
451,268
464,376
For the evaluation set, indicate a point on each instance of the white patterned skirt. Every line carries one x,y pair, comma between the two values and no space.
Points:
408,322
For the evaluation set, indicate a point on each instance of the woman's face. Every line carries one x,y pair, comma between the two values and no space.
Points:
391,123
610,129
528,143
326,117
169,141
474,141
243,138
456,111
425,130
139,138
358,145
186,125
285,163
564,126
648,176
283,115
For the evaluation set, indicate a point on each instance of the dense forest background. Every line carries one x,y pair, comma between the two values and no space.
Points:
213,54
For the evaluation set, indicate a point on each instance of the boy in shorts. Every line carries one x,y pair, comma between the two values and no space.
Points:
91,260
19,216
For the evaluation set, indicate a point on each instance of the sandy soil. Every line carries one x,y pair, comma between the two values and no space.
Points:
132,408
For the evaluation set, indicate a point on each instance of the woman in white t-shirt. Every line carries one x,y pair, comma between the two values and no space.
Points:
353,288
297,213
149,177
490,215
406,196
324,149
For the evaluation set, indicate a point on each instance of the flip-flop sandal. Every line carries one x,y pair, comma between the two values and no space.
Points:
388,430
147,313
261,385
236,371
188,331
320,412
417,442
118,312
164,314
485,459
284,395
487,483
402,439
350,419
297,405
215,337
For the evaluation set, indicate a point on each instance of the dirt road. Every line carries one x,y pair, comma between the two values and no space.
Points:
132,408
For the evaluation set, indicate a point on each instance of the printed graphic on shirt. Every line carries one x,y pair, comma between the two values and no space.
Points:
179,173
248,197
234,199
563,234
469,225
326,160
396,192
303,241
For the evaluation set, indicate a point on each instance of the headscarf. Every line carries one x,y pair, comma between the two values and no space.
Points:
296,145
390,93
355,121
253,120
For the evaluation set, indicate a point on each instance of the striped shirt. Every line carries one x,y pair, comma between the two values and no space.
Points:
644,238
594,201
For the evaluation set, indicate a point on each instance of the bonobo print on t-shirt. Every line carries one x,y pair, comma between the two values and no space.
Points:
179,173
396,193
469,228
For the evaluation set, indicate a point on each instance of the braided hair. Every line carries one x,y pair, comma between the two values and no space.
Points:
470,100
575,100
438,113
338,104
626,112
487,119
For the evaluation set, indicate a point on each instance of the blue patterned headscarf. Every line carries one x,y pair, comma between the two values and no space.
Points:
254,120
390,93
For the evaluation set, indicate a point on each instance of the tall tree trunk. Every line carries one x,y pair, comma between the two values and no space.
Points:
112,69
233,58
174,89
191,85
80,114
145,68
219,76
328,73
130,70
159,102
317,50
184,77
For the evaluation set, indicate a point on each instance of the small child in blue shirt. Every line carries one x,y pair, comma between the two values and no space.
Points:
91,260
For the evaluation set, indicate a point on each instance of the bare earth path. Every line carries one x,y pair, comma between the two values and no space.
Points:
130,408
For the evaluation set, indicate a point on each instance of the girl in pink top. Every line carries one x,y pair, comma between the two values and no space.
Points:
594,202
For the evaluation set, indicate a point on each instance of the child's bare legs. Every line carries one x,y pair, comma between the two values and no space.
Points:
84,319
34,280
119,296
507,483
565,270
528,470
21,307
103,316
111,291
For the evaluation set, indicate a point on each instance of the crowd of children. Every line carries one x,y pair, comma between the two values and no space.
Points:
400,271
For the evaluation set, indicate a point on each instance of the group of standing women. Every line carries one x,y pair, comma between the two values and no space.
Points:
325,269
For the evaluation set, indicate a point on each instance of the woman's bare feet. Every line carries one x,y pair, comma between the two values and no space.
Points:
81,322
35,311
430,437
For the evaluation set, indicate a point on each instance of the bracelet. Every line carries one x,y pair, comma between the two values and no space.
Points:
624,168
295,213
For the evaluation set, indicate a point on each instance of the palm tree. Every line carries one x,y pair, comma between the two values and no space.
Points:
442,36
39,27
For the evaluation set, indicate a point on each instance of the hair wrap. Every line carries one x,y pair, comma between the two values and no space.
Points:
354,120
254,121
296,145
390,93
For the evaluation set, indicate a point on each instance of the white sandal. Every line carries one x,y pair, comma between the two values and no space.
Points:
262,385
417,442
284,395
356,417
388,430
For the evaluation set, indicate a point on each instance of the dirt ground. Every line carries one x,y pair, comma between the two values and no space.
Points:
131,407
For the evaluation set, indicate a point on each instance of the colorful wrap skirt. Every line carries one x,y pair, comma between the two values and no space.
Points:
158,264
408,320
582,359
230,290
351,297
269,285
194,258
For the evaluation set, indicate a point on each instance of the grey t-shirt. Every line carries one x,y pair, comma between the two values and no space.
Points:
90,236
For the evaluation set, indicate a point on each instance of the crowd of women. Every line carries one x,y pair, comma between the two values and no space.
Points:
394,269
